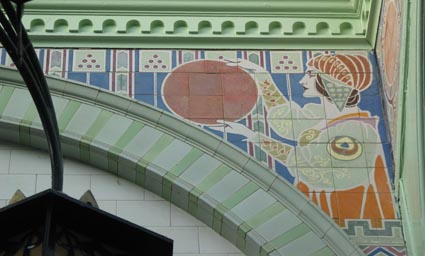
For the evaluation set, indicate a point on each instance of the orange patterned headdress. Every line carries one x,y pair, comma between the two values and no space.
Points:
352,70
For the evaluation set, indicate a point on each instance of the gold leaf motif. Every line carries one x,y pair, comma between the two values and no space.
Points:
308,136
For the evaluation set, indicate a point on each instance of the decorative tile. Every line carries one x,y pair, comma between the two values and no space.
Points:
155,61
89,61
220,55
286,62
310,116
372,250
260,199
305,245
227,186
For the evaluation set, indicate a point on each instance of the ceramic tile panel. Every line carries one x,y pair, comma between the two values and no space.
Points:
313,117
113,129
310,244
143,141
87,116
227,186
260,198
285,221
206,163
18,105
172,154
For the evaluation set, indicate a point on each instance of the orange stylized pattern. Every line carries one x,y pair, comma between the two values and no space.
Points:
374,202
348,116
352,70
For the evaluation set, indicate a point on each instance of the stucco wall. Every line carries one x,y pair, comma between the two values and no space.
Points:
29,170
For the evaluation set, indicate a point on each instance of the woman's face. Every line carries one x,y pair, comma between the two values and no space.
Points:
308,82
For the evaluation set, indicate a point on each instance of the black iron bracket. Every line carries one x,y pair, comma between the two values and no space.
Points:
15,40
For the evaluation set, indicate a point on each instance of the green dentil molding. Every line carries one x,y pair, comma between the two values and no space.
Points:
218,6
273,24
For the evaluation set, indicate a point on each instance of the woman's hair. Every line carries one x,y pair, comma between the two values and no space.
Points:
354,71
352,100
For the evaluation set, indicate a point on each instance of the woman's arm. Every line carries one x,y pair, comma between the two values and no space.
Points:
275,148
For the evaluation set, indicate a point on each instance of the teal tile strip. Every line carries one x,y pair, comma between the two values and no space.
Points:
240,195
5,95
231,202
128,135
98,124
94,129
324,252
256,221
30,115
205,185
169,178
154,151
121,143
265,215
24,130
214,177
284,239
187,161
67,114
26,122
289,236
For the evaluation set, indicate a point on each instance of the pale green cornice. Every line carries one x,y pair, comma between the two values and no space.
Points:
219,24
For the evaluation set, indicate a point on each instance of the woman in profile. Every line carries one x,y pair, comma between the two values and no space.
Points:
338,160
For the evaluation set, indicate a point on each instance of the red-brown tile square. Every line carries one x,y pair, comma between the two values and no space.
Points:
239,84
213,66
178,105
205,84
209,107
237,107
176,84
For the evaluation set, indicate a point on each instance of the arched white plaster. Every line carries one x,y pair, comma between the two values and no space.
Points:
28,169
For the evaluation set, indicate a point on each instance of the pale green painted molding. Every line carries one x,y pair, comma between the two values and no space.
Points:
275,24
159,144
217,6
410,148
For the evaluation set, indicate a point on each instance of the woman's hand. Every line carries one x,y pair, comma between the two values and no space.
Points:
235,128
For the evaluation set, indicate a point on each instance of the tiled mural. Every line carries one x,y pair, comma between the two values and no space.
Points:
388,53
314,117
